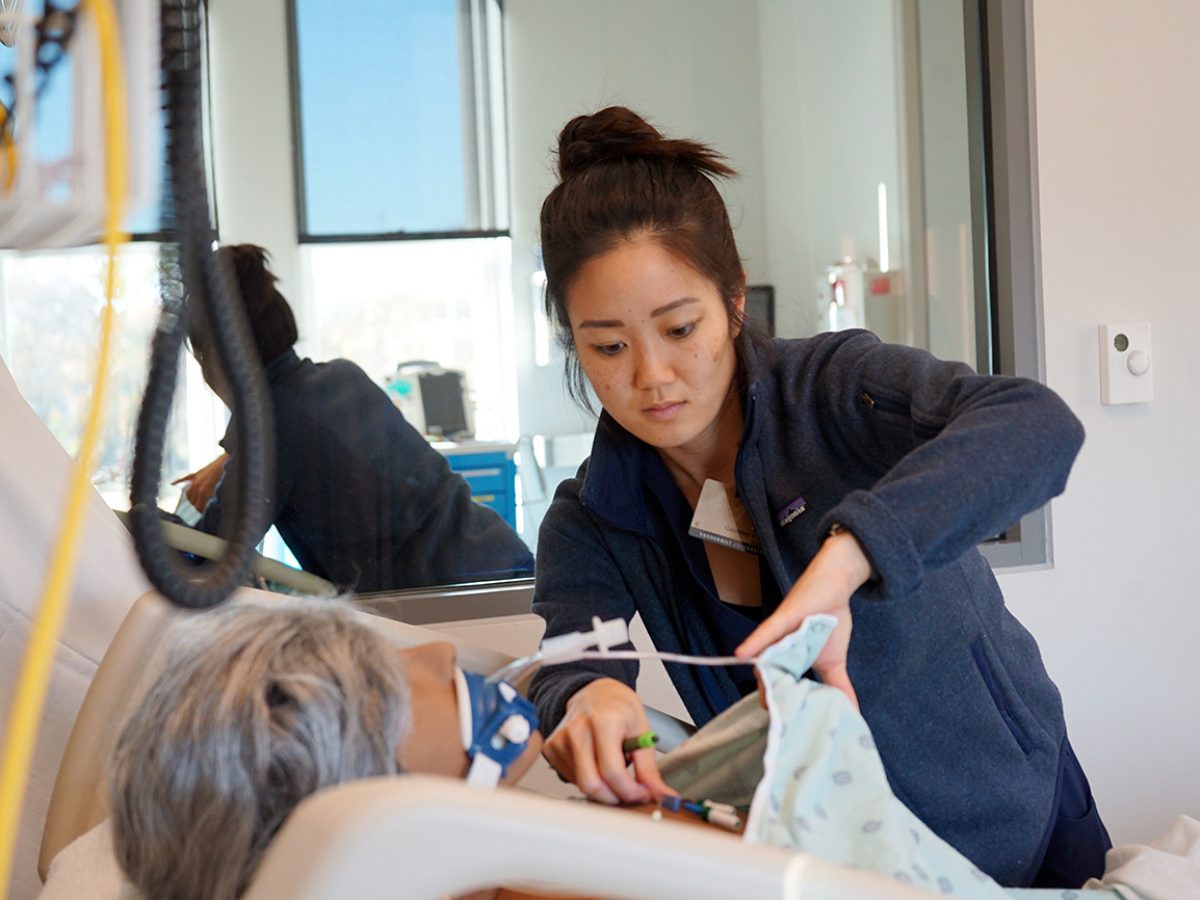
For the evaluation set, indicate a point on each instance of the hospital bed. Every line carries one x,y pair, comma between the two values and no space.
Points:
428,837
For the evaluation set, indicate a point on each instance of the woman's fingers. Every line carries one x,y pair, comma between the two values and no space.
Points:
583,769
645,769
587,759
836,676
559,750
779,624
762,690
835,573
587,746
825,587
202,484
614,765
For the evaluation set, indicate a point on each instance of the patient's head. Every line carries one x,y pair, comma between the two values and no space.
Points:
258,707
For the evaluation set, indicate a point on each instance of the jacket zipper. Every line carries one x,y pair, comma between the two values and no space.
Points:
884,405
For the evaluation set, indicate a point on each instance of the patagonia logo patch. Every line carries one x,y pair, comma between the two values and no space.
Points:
791,512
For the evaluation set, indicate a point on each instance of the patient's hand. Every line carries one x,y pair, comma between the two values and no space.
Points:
585,748
202,484
835,573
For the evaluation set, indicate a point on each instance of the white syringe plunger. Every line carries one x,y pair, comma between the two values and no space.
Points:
603,636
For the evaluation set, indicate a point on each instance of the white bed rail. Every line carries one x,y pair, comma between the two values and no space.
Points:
424,837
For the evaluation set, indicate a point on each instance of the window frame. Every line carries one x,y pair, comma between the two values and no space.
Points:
165,233
1013,253
483,117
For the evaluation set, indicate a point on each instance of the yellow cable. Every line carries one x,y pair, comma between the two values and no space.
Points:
8,152
30,695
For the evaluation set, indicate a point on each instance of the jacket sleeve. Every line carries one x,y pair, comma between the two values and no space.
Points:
576,579
961,455
217,517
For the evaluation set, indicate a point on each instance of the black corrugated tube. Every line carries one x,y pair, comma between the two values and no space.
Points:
213,286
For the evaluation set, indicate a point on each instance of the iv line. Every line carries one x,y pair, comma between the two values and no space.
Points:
519,666
685,658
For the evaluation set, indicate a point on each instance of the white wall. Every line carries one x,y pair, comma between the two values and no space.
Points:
689,66
1118,617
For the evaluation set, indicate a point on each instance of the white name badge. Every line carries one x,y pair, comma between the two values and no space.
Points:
721,519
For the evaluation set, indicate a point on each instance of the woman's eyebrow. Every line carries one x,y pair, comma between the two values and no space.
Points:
617,323
674,304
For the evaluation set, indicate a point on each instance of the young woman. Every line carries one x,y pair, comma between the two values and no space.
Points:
855,478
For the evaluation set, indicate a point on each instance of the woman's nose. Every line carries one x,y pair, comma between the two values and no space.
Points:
651,369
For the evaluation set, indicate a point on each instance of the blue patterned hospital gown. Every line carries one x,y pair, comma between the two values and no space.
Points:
824,790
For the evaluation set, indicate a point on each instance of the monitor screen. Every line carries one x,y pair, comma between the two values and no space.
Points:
445,408
760,307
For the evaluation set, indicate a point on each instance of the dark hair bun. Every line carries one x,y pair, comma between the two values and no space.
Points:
256,281
271,319
619,133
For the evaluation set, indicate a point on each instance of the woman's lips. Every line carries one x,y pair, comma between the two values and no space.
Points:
661,412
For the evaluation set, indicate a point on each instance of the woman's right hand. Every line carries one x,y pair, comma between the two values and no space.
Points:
585,748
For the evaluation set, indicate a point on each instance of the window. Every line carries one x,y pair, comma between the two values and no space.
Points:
384,303
50,304
403,220
395,131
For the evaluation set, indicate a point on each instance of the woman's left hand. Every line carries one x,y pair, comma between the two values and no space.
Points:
835,573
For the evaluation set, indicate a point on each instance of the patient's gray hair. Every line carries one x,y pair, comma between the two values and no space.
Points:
257,707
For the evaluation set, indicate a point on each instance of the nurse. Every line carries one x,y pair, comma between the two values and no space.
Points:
828,474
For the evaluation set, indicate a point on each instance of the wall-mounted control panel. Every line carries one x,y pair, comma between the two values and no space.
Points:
1126,364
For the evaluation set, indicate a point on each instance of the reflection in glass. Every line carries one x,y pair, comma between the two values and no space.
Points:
385,303
51,304
379,95
358,495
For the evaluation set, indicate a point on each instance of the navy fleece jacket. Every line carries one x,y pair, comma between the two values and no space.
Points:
922,460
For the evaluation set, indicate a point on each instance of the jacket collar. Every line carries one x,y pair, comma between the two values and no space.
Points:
622,466
616,470
277,370
282,366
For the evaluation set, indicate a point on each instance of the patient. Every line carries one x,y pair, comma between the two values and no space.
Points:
262,705
259,707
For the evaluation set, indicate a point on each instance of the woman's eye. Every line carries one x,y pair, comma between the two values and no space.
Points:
682,331
609,349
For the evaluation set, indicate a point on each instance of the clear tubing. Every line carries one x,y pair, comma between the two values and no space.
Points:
519,666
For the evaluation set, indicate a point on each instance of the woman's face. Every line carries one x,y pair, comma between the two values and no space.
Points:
433,745
654,340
